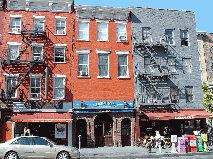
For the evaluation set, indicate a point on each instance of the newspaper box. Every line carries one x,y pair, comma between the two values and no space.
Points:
187,142
199,144
192,143
182,145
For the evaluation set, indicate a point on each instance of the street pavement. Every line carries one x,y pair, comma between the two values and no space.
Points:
133,152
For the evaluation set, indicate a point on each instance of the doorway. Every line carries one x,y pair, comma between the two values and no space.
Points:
126,132
81,130
103,130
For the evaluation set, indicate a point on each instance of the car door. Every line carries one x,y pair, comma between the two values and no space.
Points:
24,147
43,149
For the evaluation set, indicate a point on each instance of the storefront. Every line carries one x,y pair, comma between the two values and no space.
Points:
105,123
171,122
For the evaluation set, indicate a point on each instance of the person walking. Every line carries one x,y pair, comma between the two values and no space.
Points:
26,131
209,133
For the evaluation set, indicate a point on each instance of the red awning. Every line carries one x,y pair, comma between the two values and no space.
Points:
41,117
181,114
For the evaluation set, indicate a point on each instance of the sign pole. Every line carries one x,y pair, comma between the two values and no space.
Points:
79,137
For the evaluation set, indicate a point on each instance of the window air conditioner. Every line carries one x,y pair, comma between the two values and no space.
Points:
121,38
174,97
16,30
37,58
83,73
60,31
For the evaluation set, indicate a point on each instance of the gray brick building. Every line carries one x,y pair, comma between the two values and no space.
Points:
168,90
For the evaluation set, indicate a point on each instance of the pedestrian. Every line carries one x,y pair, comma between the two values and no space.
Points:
26,131
209,133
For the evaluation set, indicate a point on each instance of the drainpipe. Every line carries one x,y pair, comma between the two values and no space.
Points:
46,82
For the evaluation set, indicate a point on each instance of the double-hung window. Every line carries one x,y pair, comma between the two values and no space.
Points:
39,23
13,50
83,62
186,65
189,94
83,29
15,23
184,37
11,81
123,63
169,36
103,63
37,51
60,25
35,86
59,53
102,30
147,64
147,38
174,93
59,86
121,34
172,64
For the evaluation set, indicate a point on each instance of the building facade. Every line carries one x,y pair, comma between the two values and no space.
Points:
168,90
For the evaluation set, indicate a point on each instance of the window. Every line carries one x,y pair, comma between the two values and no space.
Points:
11,81
147,65
83,62
59,53
172,64
123,63
186,65
13,52
174,93
189,94
121,31
151,94
58,86
15,23
184,37
39,23
23,141
60,25
102,30
37,52
35,86
169,36
83,30
147,37
40,141
103,63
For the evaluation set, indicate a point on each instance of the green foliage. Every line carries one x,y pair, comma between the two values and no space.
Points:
207,97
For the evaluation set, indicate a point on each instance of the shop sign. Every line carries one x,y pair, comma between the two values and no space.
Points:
185,117
60,130
103,104
102,111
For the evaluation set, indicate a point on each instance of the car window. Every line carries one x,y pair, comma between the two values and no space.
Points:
23,141
40,141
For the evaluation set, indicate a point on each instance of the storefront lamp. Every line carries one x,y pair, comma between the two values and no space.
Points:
7,129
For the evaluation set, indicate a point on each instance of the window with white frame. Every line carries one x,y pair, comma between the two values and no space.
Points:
59,86
11,81
186,65
169,36
35,86
59,53
103,63
83,62
102,30
37,52
39,23
121,31
174,93
147,37
172,64
15,23
189,94
184,37
83,29
60,25
123,63
147,64
13,50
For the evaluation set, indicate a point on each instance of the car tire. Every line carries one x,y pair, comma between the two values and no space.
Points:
11,155
63,155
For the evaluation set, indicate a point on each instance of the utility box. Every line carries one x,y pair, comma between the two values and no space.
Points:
182,145
199,144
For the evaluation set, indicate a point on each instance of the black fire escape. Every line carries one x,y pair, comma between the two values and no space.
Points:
8,63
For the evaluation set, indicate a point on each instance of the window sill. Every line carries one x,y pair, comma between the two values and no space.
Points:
34,99
13,33
103,77
83,40
58,99
59,62
83,77
123,77
103,40
61,34
123,41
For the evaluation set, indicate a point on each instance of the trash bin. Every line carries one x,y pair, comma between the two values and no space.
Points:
187,142
182,145
192,143
199,144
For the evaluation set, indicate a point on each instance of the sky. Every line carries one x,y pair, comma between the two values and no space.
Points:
203,8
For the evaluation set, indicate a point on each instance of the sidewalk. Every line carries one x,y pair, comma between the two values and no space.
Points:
133,151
